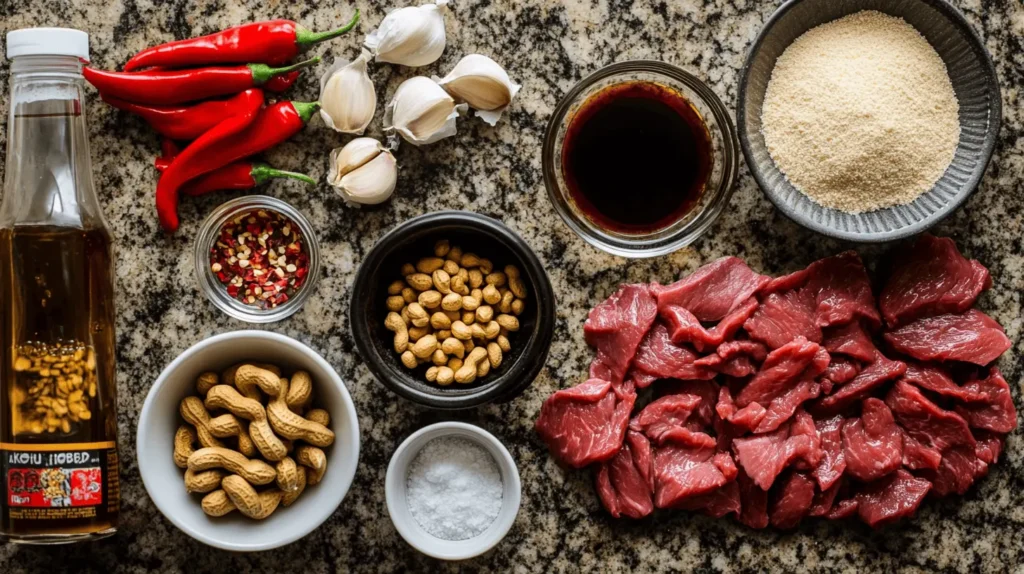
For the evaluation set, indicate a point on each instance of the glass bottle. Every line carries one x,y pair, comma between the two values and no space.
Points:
58,403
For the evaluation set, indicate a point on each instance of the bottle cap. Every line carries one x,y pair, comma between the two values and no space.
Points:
48,42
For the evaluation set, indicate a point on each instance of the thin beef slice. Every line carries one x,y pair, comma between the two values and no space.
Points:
872,443
753,502
714,290
833,461
664,414
891,498
763,457
925,421
996,413
917,456
584,424
841,291
850,340
615,328
972,337
792,502
782,369
717,503
781,318
685,327
935,379
659,357
682,471
959,467
625,484
865,383
932,278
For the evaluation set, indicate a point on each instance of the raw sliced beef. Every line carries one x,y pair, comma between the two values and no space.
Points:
917,456
925,421
783,317
615,328
789,282
714,290
872,443
782,407
840,370
833,461
756,351
685,327
708,393
739,366
996,413
932,278
841,290
783,368
937,380
763,457
989,447
972,337
959,467
850,340
865,383
824,500
657,356
753,502
792,501
843,509
682,471
664,414
639,380
717,503
746,418
625,484
584,424
891,498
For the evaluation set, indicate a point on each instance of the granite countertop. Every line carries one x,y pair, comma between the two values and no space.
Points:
547,46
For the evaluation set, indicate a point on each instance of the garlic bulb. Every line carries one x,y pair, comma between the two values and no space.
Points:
347,98
483,84
421,111
363,172
411,36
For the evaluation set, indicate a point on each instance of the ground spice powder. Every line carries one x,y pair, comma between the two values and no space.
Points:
860,113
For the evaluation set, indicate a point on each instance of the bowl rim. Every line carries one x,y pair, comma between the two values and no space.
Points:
211,287
730,160
520,374
402,458
988,145
319,514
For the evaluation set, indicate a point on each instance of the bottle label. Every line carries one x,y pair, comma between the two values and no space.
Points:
59,481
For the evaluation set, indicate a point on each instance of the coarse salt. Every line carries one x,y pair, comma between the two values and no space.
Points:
454,488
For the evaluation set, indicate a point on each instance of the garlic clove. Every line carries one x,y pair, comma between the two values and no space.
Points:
347,97
421,111
483,84
364,171
411,36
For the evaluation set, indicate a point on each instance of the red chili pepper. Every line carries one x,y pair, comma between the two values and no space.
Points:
238,175
272,42
205,146
278,84
272,125
177,86
183,122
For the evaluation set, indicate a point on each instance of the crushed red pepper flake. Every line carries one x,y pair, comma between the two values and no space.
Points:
261,258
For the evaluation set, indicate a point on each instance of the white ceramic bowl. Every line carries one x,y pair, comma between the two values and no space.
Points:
398,507
159,419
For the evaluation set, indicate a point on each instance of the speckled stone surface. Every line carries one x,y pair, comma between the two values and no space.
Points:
547,46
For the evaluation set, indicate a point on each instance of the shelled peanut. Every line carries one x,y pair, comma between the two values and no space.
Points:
455,312
259,441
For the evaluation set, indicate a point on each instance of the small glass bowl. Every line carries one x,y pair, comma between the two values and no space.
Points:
215,290
725,158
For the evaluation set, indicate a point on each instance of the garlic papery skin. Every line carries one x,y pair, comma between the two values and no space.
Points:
364,172
347,97
421,112
411,36
483,84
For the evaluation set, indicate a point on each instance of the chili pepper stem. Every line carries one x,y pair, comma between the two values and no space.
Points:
306,109
261,173
262,73
304,38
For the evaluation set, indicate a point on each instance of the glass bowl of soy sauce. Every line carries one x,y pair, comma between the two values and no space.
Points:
640,158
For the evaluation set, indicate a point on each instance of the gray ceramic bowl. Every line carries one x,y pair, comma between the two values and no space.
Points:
974,81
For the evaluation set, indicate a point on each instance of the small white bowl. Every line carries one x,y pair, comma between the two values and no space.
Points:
395,491
159,419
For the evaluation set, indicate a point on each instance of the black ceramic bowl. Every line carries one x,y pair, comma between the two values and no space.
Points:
974,81
415,239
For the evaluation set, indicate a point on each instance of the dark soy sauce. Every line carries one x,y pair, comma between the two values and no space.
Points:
636,157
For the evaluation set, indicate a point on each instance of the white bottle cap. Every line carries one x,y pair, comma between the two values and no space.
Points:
48,42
